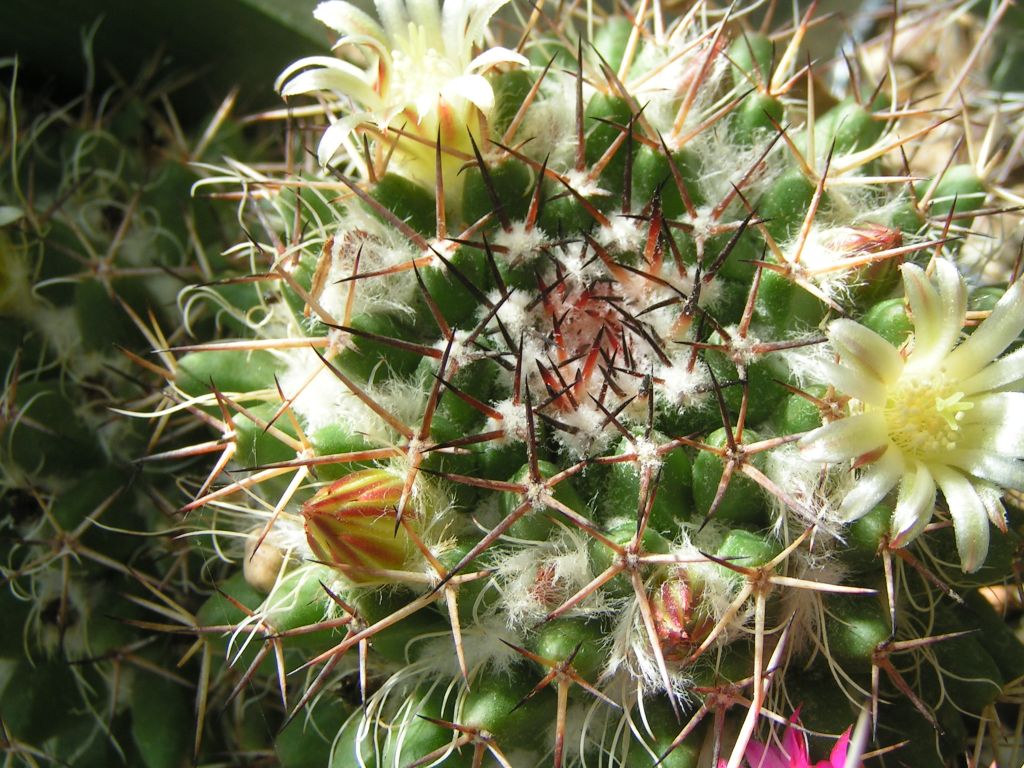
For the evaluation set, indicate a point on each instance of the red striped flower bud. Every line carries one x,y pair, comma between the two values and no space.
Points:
351,523
876,277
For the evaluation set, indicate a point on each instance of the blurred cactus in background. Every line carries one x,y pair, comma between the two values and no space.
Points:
575,387
98,236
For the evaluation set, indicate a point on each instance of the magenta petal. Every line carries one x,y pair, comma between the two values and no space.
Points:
761,756
837,758
795,744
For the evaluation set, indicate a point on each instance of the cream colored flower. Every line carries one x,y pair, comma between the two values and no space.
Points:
416,72
937,414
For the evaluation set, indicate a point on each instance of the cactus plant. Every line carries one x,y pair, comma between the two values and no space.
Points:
96,240
605,397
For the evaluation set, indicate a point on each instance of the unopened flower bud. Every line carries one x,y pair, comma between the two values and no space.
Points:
262,564
867,239
351,524
673,606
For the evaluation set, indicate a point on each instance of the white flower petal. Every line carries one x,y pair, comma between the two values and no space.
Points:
1008,371
867,349
921,294
494,56
335,136
970,518
990,338
845,439
306,63
856,383
479,17
427,15
456,18
473,88
1006,438
872,486
940,395
915,505
995,423
331,142
939,307
952,294
995,406
365,41
323,73
392,15
327,80
992,498
1004,471
345,19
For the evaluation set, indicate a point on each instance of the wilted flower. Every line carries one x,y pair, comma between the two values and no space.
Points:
935,413
416,72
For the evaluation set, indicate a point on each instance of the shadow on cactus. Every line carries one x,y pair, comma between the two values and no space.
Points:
605,398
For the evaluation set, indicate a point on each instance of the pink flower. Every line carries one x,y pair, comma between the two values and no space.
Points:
793,751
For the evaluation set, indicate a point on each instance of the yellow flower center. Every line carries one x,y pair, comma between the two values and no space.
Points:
923,415
418,74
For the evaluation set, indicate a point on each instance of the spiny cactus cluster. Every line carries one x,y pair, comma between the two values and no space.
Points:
97,238
605,389
609,396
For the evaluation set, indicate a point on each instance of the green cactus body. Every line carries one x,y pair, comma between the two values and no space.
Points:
587,392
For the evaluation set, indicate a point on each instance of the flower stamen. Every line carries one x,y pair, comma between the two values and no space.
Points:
923,416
